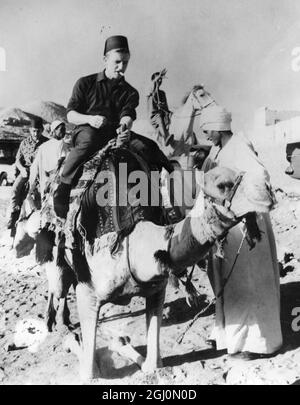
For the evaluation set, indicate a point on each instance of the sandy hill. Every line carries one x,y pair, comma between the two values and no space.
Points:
47,110
14,122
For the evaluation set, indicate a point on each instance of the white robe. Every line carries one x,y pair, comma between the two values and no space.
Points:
248,314
45,161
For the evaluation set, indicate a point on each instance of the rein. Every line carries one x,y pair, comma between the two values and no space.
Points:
221,292
227,204
212,301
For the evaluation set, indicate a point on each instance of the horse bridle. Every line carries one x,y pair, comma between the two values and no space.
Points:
203,106
200,109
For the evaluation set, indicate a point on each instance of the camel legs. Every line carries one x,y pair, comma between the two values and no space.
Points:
59,282
63,313
154,311
88,310
57,312
50,312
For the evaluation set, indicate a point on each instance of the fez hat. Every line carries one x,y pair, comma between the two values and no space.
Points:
37,123
116,42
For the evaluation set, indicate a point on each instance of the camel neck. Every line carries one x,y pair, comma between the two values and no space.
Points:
185,249
193,237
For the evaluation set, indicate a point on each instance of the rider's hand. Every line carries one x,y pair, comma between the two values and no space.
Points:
97,121
123,136
126,122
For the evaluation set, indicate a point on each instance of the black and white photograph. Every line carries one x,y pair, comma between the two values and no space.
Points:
149,195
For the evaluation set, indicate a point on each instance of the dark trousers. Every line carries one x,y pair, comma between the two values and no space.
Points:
87,141
18,195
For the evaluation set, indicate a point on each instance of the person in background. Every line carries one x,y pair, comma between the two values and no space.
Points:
247,320
159,113
48,156
24,158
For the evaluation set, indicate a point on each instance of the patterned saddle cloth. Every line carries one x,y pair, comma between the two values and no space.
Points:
104,201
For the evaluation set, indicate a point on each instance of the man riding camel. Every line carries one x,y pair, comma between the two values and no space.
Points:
102,106
24,158
48,156
159,113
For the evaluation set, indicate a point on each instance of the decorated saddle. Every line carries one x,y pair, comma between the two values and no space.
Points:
115,191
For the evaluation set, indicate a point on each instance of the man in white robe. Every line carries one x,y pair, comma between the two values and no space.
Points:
248,312
48,155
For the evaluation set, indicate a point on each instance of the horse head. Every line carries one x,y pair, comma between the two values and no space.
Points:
200,98
182,122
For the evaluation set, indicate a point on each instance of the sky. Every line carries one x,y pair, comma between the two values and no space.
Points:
241,50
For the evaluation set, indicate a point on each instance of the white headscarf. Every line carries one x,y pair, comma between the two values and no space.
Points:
215,118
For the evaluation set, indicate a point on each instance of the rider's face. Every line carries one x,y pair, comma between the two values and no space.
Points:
214,136
36,132
60,131
116,64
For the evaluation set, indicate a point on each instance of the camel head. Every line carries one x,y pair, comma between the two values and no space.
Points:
218,183
241,192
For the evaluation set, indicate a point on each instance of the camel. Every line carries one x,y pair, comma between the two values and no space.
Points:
181,127
103,277
127,273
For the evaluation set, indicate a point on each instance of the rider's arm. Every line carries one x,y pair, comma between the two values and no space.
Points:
76,118
128,113
126,121
77,107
